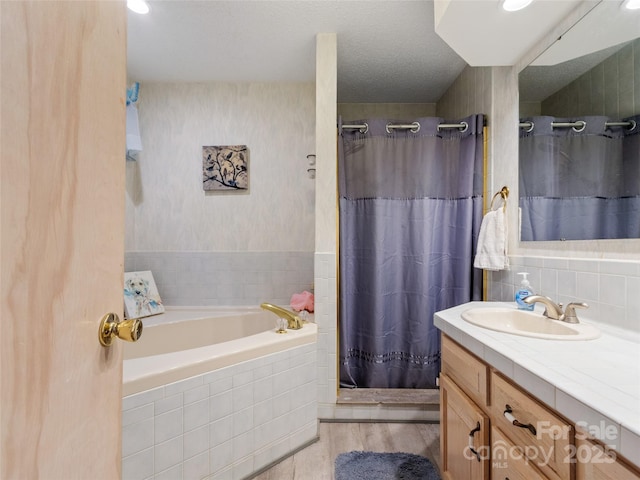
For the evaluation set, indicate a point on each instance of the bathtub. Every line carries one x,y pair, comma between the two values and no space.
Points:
216,393
184,342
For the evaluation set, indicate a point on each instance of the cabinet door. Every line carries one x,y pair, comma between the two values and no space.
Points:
594,463
464,435
508,462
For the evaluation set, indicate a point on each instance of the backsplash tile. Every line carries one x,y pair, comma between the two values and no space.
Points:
613,290
610,287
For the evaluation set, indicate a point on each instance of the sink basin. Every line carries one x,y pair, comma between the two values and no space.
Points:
528,324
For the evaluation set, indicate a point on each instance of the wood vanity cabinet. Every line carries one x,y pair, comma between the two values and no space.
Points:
462,443
595,463
508,462
528,440
543,438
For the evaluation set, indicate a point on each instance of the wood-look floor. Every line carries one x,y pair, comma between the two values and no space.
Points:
316,462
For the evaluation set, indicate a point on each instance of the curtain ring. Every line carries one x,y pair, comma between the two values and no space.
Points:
464,128
582,124
365,129
416,127
531,126
633,125
387,128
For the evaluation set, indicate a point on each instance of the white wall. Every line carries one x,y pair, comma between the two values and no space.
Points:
230,248
167,207
325,258
469,94
391,111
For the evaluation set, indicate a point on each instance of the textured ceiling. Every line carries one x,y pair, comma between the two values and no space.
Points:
387,50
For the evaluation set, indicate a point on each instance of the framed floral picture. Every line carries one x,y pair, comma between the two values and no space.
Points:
141,297
225,168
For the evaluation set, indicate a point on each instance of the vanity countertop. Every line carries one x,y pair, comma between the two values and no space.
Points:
594,383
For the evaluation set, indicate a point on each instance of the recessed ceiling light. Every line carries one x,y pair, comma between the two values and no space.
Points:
138,6
514,5
631,4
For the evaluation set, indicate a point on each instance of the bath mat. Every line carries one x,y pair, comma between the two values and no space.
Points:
384,466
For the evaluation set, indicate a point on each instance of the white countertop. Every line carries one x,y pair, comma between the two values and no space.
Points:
591,382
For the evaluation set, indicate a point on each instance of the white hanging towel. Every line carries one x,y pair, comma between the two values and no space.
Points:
134,143
491,253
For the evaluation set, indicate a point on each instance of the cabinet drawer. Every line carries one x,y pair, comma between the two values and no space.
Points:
508,461
594,463
545,438
469,372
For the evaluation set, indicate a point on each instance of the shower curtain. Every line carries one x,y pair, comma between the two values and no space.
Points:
579,184
410,214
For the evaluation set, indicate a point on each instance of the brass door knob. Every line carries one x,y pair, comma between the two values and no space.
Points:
111,326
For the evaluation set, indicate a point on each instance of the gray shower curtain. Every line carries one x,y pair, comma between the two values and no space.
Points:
410,214
579,185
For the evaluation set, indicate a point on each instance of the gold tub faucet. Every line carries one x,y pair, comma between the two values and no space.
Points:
293,321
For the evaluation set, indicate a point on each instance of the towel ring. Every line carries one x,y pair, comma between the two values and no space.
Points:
504,194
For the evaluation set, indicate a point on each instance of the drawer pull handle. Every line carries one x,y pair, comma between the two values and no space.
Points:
508,413
471,434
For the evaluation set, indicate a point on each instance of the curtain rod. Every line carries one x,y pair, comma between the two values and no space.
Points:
579,125
414,127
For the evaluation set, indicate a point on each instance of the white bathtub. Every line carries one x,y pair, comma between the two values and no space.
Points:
187,341
216,393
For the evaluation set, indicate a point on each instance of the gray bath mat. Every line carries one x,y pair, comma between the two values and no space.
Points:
384,466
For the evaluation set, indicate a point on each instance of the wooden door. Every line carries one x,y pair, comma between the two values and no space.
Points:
462,424
62,164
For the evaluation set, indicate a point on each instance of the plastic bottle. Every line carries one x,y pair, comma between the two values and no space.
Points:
524,291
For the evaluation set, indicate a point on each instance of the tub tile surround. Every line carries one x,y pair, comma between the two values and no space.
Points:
228,423
226,278
595,382
609,287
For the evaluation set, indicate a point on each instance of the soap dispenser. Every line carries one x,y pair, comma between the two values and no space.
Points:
524,291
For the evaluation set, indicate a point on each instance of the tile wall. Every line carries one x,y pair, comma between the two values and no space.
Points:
224,424
325,316
226,278
609,287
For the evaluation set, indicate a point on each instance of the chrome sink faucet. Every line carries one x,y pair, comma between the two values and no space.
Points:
554,310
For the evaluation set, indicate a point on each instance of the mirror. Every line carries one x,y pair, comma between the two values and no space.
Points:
580,133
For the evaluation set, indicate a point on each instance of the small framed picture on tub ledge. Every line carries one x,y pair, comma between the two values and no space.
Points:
141,297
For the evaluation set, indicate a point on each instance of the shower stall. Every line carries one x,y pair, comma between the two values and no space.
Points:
411,198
